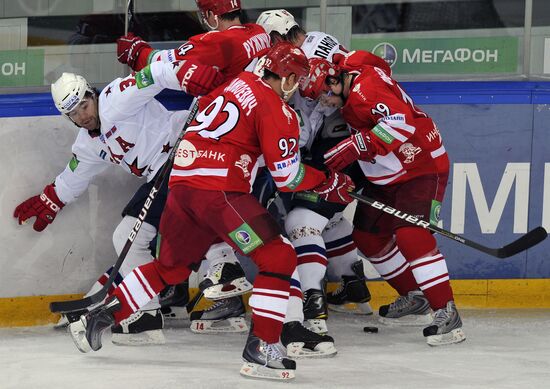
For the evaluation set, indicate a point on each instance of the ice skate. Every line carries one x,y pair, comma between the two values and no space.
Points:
223,280
173,300
315,311
140,328
413,309
353,295
303,343
87,331
446,327
266,361
227,315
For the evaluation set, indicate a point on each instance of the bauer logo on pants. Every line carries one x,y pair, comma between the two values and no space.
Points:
245,238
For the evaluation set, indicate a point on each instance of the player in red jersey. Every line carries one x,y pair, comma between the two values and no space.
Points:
210,201
230,45
400,151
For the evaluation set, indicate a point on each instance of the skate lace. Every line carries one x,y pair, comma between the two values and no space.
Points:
216,305
272,352
340,288
217,268
440,317
400,303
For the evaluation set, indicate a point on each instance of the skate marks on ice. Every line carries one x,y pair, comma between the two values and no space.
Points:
504,349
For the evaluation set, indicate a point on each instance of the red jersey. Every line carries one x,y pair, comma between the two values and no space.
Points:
406,142
223,146
231,51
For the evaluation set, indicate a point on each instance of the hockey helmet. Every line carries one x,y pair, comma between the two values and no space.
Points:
218,7
284,58
316,83
68,91
278,20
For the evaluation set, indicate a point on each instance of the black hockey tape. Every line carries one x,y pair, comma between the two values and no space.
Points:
370,330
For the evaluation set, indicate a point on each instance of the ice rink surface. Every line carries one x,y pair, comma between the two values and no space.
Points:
504,349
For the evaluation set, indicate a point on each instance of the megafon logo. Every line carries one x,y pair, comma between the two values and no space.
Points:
387,52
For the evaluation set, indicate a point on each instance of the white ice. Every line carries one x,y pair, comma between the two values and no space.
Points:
504,349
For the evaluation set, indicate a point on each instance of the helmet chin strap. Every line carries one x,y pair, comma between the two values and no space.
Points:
287,94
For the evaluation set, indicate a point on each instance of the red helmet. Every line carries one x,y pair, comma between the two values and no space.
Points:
316,83
218,7
284,58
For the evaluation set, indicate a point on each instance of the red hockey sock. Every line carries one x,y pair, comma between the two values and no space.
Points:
137,289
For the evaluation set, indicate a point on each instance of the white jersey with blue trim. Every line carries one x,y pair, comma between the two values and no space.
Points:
137,132
311,113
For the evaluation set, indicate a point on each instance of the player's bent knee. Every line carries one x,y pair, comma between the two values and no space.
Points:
146,233
370,244
172,275
277,256
302,222
414,242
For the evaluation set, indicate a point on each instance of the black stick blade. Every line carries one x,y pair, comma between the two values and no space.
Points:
527,241
76,305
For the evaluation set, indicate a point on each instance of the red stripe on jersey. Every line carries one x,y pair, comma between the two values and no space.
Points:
312,258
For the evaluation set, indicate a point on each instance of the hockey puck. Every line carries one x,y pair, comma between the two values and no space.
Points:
370,330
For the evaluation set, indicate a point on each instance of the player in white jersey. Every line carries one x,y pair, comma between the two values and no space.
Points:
123,125
308,229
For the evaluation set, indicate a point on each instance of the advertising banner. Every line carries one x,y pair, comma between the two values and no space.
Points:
479,55
22,67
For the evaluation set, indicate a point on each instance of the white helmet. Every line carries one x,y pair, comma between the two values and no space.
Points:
68,91
279,20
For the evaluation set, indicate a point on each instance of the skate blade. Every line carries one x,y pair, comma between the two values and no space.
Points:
175,313
319,326
78,333
235,288
141,339
455,336
353,308
408,320
253,370
296,350
231,325
62,324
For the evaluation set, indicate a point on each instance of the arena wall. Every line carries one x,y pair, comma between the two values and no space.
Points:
496,134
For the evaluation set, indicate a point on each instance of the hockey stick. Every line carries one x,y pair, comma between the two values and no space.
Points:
526,241
129,17
75,305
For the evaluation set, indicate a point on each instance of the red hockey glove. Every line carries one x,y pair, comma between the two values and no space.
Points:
197,79
44,207
336,188
128,48
348,151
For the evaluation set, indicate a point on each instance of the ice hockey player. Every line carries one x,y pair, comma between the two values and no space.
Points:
317,229
210,200
231,47
123,125
405,165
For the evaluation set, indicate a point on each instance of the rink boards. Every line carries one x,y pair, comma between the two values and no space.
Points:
495,133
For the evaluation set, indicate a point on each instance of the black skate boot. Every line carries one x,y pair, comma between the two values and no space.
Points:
223,280
173,300
263,360
87,331
352,289
303,343
140,328
315,311
412,309
225,315
446,327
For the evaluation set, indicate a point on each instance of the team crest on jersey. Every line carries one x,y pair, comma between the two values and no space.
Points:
409,151
243,164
